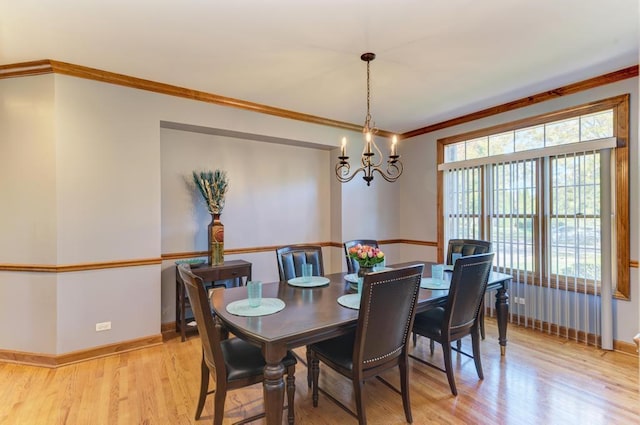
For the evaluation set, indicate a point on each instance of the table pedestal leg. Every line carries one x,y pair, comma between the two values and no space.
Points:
502,311
273,388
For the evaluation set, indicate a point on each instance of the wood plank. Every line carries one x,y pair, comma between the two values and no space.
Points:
543,379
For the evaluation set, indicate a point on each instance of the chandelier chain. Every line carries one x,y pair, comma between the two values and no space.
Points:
367,120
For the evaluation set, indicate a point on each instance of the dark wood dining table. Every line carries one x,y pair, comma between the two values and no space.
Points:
312,315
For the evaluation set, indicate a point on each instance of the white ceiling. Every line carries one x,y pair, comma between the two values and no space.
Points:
436,59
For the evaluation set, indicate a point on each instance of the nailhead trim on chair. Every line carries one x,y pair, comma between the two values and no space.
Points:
406,330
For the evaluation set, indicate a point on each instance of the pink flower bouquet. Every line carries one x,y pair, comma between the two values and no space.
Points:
365,255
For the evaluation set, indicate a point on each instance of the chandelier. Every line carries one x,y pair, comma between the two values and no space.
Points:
371,155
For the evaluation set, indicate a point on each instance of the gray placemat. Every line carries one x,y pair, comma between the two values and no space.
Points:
267,306
353,277
315,281
431,283
350,301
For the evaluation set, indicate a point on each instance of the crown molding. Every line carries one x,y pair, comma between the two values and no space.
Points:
24,69
590,83
47,66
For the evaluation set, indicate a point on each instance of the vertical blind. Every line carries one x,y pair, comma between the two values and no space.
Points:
544,218
463,198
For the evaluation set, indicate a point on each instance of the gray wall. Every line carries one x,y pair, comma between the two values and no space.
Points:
89,175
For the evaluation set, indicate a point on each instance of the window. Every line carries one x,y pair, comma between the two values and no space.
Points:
574,218
582,128
513,214
533,187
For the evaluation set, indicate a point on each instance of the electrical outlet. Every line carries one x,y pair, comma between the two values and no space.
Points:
103,326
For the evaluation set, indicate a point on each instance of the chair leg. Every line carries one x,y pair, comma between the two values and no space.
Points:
475,342
309,377
459,344
446,349
204,387
315,371
481,320
291,391
415,339
357,392
432,346
218,409
404,389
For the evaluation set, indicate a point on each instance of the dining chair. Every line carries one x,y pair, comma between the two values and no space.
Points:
291,258
233,362
352,263
469,247
466,247
379,342
459,317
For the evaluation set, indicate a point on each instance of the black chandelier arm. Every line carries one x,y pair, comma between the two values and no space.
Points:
342,172
394,170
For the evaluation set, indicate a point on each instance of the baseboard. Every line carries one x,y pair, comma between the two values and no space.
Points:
626,347
31,359
53,361
168,330
620,346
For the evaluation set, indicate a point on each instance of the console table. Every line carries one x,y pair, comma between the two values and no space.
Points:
231,270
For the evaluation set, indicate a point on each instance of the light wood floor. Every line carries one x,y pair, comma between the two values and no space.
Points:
542,380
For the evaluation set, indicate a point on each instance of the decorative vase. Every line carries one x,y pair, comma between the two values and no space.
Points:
215,232
364,270
361,272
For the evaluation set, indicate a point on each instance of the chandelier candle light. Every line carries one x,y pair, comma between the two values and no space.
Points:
371,155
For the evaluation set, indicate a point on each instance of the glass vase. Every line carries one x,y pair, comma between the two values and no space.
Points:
361,272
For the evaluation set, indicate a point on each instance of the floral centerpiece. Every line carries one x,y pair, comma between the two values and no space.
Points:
213,186
366,256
